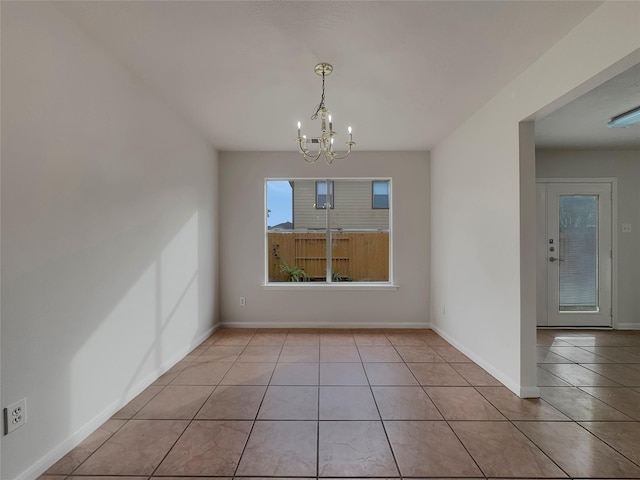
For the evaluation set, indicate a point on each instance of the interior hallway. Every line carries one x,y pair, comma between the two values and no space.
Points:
365,403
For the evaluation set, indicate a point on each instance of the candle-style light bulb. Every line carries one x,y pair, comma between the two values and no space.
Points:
330,124
350,136
299,125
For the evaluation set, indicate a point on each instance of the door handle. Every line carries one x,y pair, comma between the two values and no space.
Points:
553,259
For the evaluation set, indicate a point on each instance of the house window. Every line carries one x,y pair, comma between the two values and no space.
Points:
380,194
307,242
321,194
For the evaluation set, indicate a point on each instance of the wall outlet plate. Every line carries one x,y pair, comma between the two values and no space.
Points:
15,416
626,228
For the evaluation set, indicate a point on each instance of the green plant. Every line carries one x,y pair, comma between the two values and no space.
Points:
337,277
295,274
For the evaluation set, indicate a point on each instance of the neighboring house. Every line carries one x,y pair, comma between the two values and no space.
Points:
356,204
282,226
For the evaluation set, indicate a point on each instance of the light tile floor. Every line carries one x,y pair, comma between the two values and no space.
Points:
365,403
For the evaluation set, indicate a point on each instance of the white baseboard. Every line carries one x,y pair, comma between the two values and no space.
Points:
627,326
73,440
327,324
529,392
521,391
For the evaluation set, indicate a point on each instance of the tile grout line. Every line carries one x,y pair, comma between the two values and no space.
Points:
132,417
577,422
94,451
607,443
384,428
606,403
633,420
194,416
571,419
511,422
362,363
255,419
126,421
444,418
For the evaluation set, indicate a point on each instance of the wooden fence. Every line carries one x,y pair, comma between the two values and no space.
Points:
359,256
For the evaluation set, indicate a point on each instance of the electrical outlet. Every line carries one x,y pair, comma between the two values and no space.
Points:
15,416
626,228
243,301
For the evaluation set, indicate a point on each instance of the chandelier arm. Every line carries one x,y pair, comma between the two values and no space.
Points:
313,158
310,158
336,157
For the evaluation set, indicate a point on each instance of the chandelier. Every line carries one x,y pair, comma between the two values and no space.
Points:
325,141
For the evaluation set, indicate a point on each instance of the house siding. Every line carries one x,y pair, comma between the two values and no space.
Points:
352,207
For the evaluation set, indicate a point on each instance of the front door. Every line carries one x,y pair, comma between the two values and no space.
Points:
574,254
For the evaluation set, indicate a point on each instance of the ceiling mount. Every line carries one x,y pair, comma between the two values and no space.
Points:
323,69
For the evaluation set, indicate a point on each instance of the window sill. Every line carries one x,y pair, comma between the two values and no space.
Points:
349,286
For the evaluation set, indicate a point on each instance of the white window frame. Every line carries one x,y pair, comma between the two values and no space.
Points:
373,194
328,285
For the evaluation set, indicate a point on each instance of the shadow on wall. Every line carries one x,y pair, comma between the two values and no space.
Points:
87,330
159,306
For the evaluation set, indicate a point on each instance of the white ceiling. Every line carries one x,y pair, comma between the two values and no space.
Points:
406,73
583,122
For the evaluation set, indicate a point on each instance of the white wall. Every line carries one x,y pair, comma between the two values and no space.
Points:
242,248
625,166
477,223
108,235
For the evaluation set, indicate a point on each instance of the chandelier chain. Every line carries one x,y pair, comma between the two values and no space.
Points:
321,105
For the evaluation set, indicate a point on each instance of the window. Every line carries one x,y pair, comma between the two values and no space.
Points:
321,194
349,242
380,194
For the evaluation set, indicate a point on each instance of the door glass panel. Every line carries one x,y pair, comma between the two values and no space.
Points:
578,255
